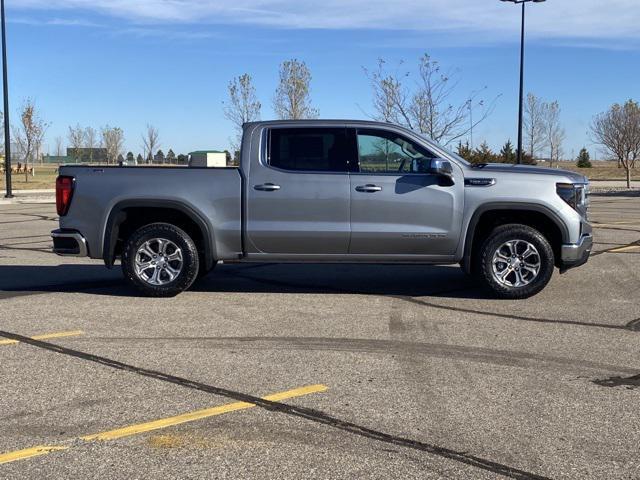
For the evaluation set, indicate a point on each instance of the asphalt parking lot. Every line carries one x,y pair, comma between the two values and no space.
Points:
293,371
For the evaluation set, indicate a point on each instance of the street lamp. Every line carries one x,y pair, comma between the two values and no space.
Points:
521,105
5,85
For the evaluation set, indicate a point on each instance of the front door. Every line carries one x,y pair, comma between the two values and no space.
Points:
299,193
397,206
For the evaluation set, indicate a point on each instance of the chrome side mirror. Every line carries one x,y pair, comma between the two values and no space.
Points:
441,167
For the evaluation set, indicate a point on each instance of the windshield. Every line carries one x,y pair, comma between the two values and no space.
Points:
447,151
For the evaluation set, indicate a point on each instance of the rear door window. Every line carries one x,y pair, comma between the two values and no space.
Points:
311,149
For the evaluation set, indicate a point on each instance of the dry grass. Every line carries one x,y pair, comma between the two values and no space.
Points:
600,170
44,178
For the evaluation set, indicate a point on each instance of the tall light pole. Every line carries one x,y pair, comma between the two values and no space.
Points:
5,85
521,104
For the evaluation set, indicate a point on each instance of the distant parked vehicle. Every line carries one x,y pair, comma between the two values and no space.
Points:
328,191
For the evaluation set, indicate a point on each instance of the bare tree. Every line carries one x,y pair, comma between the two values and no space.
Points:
618,130
75,136
292,100
554,133
534,124
59,146
150,142
90,141
29,133
425,105
243,105
113,142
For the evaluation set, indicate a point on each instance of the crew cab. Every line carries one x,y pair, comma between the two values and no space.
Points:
328,191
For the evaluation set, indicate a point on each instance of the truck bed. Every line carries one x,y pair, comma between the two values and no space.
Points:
213,195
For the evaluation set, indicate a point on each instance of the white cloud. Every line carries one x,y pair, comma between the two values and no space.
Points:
609,20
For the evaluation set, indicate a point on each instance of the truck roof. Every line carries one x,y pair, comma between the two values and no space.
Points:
319,122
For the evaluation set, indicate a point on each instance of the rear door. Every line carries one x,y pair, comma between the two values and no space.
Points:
298,194
397,206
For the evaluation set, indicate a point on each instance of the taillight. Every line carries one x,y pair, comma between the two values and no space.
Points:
64,192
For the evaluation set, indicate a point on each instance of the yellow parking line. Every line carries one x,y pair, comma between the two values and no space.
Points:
46,336
199,414
630,248
163,423
615,224
28,453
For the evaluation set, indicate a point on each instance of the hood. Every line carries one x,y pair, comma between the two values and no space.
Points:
530,169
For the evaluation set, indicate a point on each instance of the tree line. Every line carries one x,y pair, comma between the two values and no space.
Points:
84,142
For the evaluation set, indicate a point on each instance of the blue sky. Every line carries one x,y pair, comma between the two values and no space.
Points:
167,62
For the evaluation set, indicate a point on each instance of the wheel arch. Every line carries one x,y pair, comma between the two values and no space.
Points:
128,215
487,216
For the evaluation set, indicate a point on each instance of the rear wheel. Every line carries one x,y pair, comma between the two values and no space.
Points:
160,260
515,261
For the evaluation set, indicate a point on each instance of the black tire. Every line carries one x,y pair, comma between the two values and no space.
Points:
521,234
189,262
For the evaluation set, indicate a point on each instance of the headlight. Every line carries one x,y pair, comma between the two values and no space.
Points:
575,195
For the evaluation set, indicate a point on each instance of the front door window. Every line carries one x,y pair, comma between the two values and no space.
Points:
386,152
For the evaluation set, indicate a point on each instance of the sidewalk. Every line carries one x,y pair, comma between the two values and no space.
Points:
29,196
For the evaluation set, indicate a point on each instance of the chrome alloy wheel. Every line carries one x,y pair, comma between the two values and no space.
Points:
516,263
158,261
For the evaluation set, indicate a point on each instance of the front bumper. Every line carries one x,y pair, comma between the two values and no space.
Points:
576,254
69,243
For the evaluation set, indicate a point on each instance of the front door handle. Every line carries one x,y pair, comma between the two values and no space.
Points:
267,187
369,188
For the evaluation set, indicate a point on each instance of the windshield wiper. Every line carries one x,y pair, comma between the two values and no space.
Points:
479,165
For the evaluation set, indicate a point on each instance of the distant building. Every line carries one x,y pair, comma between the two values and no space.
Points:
207,158
94,155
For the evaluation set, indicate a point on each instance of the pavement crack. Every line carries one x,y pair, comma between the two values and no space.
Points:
612,382
312,415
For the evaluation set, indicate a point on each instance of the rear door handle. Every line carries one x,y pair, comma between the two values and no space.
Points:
267,187
369,188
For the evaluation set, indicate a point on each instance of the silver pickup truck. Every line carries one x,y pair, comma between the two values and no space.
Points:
328,191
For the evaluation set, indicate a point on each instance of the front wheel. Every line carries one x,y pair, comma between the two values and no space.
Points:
515,261
160,260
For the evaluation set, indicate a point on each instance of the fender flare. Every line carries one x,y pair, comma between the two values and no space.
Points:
118,215
507,206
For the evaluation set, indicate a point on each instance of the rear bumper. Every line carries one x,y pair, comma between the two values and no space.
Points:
574,255
69,243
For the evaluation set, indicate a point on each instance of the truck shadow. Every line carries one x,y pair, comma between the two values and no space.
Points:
410,283
406,280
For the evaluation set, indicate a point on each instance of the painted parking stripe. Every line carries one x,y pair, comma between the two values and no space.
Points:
28,453
162,423
630,248
199,414
46,336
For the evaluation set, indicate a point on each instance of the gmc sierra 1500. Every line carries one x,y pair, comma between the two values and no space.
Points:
328,191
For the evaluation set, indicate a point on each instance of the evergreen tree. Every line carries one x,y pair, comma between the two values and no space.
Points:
171,157
159,158
465,151
584,159
139,160
507,154
130,158
483,154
